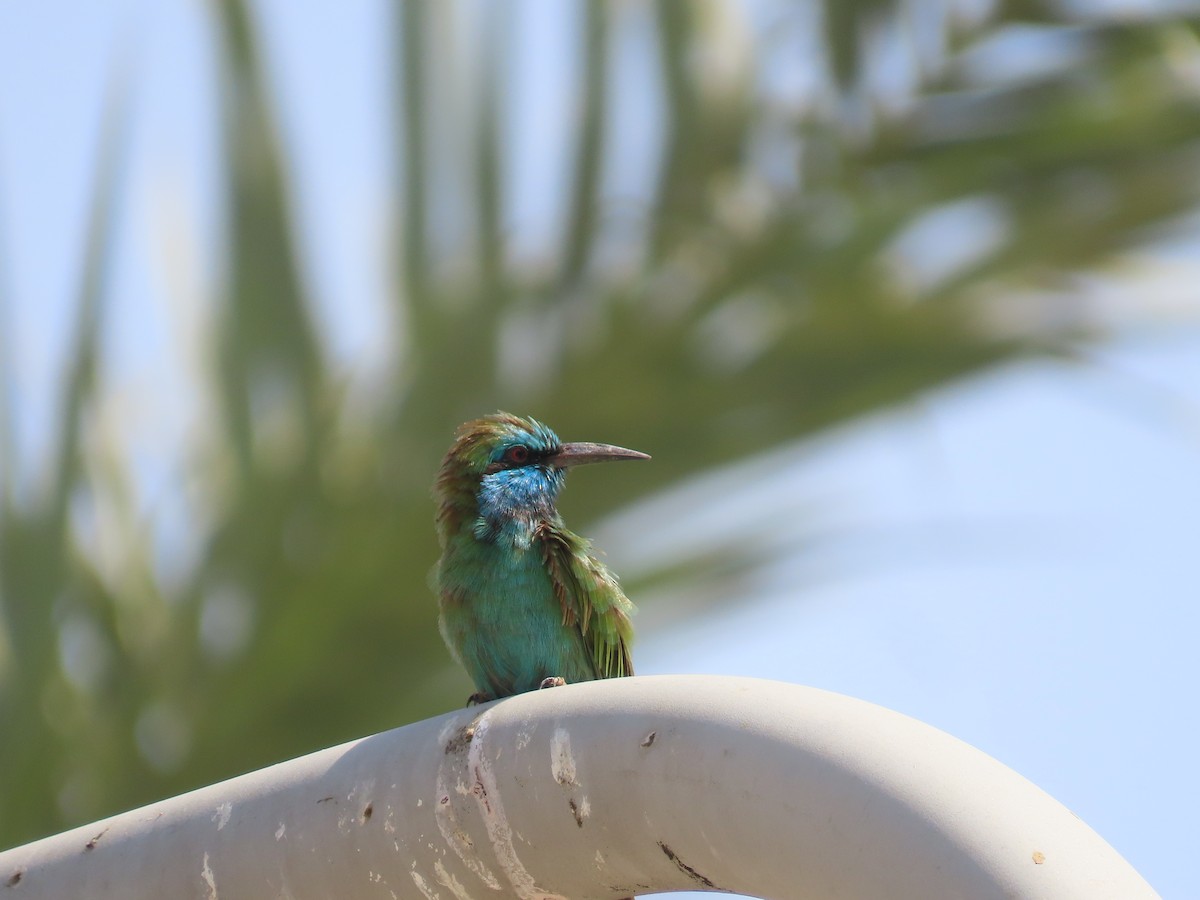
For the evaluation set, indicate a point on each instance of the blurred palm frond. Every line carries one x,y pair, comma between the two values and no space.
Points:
827,233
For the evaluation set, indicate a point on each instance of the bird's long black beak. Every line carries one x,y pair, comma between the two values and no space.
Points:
581,453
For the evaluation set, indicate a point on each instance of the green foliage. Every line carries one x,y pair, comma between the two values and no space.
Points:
745,309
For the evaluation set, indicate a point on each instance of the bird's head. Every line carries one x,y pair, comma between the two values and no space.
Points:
505,468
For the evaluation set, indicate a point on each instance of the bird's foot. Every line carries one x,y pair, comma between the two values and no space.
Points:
479,697
552,681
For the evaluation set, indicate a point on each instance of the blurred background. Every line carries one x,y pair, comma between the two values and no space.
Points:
903,296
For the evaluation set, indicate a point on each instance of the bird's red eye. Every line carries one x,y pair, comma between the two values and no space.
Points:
518,454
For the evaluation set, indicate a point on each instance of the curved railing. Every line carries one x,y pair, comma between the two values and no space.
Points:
603,790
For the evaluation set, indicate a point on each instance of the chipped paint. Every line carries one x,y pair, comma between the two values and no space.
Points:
423,885
526,735
487,794
685,868
562,761
447,819
221,816
206,873
447,880
358,798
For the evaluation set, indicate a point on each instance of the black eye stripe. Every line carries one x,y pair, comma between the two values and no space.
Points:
532,457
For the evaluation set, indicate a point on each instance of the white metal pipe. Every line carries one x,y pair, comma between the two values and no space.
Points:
603,790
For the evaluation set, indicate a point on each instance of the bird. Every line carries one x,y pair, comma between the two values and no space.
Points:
523,601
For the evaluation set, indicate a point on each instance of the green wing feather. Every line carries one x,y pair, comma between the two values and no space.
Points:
590,598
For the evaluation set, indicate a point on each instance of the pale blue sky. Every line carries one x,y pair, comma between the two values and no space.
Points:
1012,559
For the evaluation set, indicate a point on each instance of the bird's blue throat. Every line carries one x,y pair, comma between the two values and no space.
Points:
513,501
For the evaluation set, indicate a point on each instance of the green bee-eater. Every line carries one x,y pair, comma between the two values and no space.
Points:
524,603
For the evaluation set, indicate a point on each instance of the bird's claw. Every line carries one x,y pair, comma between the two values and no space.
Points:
552,681
479,697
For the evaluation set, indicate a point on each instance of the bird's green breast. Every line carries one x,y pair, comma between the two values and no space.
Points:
500,616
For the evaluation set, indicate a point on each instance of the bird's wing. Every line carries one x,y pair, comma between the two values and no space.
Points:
591,599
